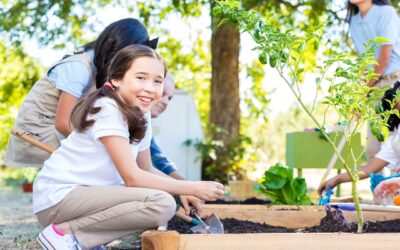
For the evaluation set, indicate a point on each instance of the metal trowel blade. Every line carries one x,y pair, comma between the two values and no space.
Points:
211,225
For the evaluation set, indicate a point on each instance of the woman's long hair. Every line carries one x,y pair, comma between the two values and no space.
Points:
352,9
119,65
114,37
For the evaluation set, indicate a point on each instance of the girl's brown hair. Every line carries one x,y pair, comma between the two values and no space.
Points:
119,65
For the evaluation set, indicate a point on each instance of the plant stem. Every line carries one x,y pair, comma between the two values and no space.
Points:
360,220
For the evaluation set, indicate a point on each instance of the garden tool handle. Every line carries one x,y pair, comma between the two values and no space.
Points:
34,142
193,212
183,216
186,218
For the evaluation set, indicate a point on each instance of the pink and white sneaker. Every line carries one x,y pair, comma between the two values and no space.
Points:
52,239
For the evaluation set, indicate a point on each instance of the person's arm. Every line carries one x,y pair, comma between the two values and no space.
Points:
144,162
383,61
120,152
64,108
176,175
72,79
373,166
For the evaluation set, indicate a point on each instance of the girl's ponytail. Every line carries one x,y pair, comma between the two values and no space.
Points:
136,120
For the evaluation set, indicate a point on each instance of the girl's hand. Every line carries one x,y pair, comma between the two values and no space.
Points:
208,190
187,199
387,187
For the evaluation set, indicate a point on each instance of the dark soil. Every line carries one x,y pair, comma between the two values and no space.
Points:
231,226
249,201
390,226
334,221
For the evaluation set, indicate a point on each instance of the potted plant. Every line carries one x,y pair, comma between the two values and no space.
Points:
29,175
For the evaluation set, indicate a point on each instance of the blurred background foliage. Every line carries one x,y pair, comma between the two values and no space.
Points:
66,25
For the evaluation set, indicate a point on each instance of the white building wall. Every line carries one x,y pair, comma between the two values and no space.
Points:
171,129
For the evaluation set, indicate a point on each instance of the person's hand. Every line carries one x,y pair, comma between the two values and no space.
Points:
188,199
387,187
331,183
208,190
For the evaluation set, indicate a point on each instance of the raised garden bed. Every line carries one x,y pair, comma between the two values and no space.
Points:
280,219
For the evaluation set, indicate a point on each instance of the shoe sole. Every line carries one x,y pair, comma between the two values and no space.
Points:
44,243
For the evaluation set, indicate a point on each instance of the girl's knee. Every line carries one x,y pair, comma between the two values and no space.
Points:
165,205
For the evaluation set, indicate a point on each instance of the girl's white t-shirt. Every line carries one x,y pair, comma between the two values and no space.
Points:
82,159
390,149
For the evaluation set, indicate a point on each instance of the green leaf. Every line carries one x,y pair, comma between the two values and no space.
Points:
263,58
316,44
216,11
380,39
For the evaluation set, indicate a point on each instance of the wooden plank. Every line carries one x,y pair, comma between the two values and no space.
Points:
242,190
160,240
290,241
287,216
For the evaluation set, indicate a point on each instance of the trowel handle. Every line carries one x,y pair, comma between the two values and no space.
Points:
193,211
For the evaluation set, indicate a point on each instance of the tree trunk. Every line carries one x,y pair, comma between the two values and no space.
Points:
224,106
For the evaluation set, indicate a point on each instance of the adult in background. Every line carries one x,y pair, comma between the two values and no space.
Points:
44,114
369,19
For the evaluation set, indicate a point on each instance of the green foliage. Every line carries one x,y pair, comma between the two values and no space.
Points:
56,22
221,159
16,176
279,185
278,46
19,73
47,20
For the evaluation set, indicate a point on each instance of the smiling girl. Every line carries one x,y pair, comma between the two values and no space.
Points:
77,195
